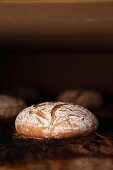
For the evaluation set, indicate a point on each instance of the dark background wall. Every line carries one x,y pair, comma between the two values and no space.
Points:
55,72
57,45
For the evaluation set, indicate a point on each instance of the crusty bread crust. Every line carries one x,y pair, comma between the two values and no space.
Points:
85,98
55,120
10,106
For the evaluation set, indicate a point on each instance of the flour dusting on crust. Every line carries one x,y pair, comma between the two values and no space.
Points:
56,118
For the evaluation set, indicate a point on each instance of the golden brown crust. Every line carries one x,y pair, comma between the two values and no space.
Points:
55,120
29,131
32,132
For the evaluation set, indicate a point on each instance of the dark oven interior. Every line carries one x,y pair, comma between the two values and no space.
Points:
46,48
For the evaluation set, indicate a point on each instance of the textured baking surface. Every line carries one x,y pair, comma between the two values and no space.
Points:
87,153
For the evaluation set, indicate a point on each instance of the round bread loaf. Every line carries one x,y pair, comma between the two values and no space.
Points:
55,120
88,99
10,106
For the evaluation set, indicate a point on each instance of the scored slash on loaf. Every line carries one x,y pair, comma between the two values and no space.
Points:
55,120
